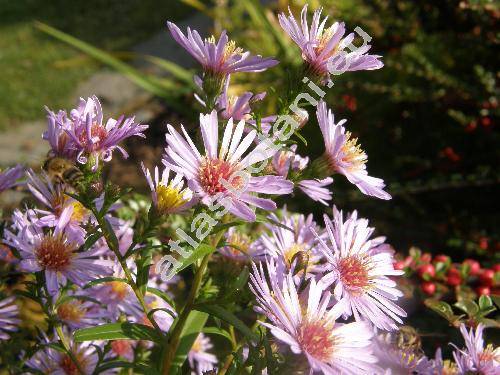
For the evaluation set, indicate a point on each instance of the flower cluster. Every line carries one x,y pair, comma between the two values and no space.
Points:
281,290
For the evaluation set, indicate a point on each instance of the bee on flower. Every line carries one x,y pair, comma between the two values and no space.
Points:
226,174
324,49
358,272
344,155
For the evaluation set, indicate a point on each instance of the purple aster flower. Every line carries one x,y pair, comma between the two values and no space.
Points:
163,317
224,175
168,195
475,358
291,243
324,49
309,327
200,360
395,360
358,274
124,348
343,155
94,139
285,161
221,57
9,320
443,367
315,189
240,248
117,296
56,254
52,361
9,176
79,311
59,141
53,197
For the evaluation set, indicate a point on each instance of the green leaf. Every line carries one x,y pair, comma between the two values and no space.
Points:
440,307
496,299
164,296
218,331
117,331
485,302
91,240
468,306
103,280
194,325
229,318
199,252
139,368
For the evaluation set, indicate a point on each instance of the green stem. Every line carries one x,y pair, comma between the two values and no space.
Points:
173,342
67,347
126,270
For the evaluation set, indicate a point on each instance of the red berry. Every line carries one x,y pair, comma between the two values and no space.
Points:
483,243
426,258
471,126
486,277
441,258
426,269
483,290
496,268
485,121
453,277
474,266
399,265
428,288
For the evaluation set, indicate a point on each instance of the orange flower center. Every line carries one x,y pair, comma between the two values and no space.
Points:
121,347
354,274
71,311
119,289
54,253
316,339
213,172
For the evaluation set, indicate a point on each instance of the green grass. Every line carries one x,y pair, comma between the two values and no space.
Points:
36,70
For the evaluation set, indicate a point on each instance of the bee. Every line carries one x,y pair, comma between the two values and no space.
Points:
302,260
408,338
61,170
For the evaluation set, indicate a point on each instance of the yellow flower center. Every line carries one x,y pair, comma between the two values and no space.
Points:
354,156
169,198
79,212
229,49
71,311
354,274
119,289
292,250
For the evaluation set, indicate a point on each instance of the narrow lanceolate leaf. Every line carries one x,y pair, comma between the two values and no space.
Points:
219,332
194,325
103,280
229,318
117,331
199,252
